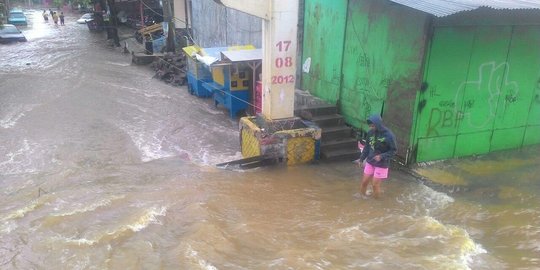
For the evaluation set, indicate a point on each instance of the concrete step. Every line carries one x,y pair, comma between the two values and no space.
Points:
335,133
338,141
340,155
308,112
337,144
328,120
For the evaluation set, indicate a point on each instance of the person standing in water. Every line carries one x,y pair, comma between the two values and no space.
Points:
379,149
45,16
55,18
61,18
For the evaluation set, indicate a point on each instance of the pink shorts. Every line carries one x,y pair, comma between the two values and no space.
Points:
377,172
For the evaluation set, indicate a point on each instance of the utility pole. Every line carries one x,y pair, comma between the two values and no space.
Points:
113,23
168,19
7,8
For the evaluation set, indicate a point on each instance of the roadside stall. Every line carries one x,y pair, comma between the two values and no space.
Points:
197,72
224,73
253,60
232,76
152,37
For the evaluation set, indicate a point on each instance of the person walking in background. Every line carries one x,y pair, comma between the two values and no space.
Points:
379,149
61,18
45,16
55,18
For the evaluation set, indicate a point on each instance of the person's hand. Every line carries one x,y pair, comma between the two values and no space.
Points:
359,162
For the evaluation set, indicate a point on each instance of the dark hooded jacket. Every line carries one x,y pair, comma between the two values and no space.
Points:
380,141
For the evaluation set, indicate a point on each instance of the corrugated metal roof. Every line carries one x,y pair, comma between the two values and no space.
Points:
441,8
243,55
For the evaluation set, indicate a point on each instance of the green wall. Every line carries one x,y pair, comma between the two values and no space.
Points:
366,57
448,87
482,91
382,63
324,30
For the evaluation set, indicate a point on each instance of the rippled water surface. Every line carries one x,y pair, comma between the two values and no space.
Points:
103,167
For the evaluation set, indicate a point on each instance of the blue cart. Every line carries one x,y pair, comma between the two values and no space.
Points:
229,88
197,73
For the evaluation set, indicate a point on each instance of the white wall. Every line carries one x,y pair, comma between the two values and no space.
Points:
213,25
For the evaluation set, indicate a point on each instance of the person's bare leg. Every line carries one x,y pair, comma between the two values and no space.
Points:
377,188
366,179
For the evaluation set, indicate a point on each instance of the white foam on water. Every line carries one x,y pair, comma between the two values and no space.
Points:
454,242
137,91
466,251
18,160
277,262
349,234
149,216
155,145
8,226
153,150
10,119
207,157
193,255
76,241
118,64
85,207
138,107
26,159
426,200
149,145
461,261
533,238
8,222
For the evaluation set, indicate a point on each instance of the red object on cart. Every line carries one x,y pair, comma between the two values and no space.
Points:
258,97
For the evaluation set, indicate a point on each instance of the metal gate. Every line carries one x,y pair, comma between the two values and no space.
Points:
481,91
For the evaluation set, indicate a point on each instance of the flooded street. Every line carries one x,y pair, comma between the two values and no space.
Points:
103,167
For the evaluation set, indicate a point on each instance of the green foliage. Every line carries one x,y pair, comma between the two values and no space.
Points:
58,3
86,2
83,3
2,13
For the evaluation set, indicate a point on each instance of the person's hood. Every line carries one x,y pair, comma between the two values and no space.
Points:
377,121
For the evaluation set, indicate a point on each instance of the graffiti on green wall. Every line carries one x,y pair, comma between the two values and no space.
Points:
537,92
382,60
450,112
480,85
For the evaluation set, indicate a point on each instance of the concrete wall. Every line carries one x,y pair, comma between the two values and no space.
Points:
213,25
181,16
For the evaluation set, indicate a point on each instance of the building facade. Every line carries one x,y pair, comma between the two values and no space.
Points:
455,86
448,86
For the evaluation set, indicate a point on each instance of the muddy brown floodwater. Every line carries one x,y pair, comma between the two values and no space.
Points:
103,167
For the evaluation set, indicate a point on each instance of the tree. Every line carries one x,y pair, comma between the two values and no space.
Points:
58,3
82,3
2,13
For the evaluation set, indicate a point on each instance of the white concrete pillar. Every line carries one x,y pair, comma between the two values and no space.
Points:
279,59
280,24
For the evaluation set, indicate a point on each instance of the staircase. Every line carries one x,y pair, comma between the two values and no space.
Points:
338,141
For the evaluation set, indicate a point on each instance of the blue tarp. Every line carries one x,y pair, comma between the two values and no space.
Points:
158,44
